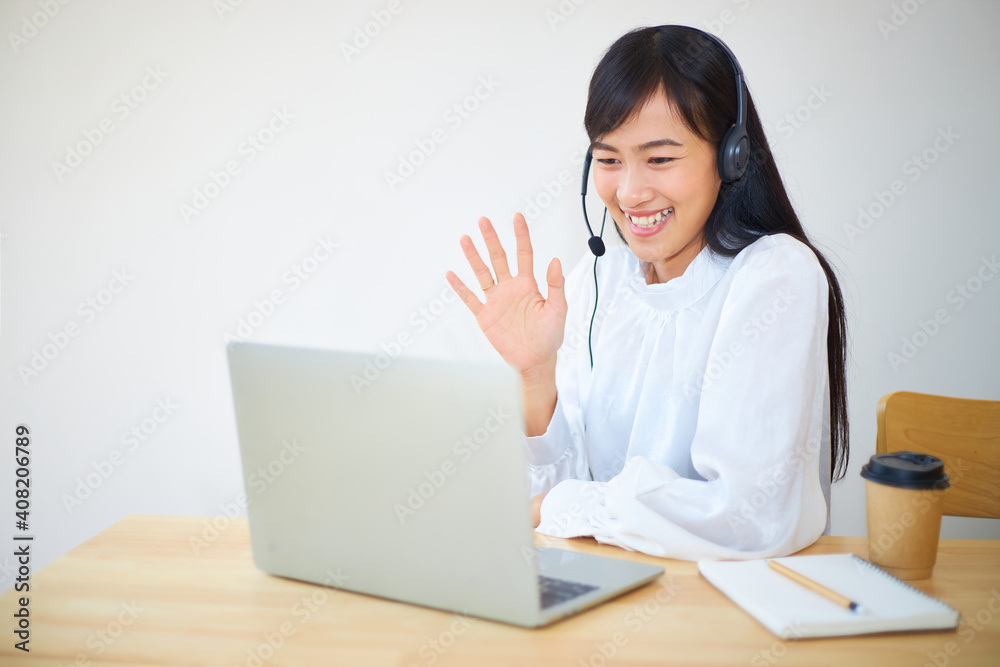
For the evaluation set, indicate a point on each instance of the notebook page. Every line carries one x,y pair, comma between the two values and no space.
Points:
790,610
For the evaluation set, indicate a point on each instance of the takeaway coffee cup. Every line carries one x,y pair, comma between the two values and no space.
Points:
904,493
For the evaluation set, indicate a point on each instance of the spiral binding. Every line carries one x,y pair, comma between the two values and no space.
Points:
872,566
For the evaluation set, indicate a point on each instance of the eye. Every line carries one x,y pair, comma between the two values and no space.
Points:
662,160
607,161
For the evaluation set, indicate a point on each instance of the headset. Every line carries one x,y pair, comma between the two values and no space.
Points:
733,158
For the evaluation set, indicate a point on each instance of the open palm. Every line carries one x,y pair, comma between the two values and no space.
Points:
523,326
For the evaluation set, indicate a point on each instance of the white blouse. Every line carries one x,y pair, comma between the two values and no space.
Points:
702,430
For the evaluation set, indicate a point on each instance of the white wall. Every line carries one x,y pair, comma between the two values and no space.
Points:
221,76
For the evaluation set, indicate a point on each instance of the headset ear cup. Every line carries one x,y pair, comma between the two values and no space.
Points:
741,155
734,154
726,157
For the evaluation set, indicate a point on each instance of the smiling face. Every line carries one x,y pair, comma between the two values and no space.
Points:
659,181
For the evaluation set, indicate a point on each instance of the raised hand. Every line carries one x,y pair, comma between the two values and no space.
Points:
524,327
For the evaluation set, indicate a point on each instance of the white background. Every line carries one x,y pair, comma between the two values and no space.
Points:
886,95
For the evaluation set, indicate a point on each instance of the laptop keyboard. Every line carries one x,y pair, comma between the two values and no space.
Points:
555,590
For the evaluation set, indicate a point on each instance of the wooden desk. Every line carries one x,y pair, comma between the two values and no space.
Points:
139,594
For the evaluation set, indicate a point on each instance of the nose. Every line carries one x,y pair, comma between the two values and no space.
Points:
634,189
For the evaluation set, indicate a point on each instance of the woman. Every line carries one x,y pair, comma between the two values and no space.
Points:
706,415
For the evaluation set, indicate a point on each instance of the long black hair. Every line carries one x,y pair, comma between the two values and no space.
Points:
698,79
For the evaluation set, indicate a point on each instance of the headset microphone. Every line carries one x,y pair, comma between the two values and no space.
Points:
595,242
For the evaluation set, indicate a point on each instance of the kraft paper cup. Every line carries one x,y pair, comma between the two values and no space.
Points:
904,492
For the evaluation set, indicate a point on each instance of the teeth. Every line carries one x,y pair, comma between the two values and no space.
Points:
649,220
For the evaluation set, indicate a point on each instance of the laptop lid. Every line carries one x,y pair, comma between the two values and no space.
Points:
409,484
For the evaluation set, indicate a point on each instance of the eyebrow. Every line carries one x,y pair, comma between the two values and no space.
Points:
656,143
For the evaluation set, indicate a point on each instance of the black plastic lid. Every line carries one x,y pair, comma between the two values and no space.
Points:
906,470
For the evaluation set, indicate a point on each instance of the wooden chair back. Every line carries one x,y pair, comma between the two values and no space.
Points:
962,432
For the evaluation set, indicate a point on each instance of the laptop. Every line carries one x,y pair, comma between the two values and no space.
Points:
404,479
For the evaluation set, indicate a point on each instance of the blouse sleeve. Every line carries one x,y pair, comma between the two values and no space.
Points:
759,440
558,454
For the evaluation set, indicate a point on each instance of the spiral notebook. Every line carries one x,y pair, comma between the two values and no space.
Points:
792,611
